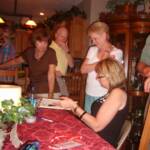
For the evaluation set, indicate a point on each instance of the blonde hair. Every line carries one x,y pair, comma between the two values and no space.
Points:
113,71
98,27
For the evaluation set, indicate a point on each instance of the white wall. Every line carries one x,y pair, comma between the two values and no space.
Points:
93,8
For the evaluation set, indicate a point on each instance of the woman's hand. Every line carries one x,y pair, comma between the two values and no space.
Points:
147,85
67,103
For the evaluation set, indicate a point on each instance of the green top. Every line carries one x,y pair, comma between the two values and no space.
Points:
145,56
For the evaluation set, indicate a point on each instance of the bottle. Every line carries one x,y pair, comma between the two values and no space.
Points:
32,97
30,145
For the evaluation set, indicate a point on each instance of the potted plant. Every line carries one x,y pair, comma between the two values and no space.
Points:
113,4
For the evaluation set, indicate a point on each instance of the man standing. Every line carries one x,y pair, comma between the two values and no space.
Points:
60,45
144,64
144,68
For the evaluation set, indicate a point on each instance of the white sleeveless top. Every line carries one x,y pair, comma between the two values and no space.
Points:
93,87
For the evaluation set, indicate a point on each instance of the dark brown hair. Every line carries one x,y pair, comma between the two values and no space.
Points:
40,34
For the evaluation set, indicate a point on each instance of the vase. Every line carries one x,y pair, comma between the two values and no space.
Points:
9,129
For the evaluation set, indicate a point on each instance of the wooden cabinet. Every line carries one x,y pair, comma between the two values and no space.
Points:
22,40
78,37
129,32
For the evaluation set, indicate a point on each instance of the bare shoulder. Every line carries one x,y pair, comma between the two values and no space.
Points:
118,94
118,91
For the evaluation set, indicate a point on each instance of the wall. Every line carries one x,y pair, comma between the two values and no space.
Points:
92,8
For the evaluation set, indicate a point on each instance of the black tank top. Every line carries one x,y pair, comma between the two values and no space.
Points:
111,132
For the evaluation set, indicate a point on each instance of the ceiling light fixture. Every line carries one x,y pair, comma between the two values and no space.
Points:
31,23
1,20
42,14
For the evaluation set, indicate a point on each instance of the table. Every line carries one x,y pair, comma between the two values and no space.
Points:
65,126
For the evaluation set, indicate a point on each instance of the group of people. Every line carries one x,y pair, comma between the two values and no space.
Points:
106,106
47,61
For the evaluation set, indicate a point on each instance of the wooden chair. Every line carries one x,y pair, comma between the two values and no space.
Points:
145,138
76,86
8,76
11,77
124,133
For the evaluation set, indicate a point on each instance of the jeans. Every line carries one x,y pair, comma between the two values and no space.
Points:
88,102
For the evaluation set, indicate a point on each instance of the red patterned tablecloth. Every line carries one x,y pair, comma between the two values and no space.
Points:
65,126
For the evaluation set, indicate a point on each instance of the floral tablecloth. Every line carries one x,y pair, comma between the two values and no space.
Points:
65,127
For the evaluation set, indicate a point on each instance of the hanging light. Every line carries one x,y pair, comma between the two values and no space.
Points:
1,20
31,23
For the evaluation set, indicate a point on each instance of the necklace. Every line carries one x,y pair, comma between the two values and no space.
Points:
102,99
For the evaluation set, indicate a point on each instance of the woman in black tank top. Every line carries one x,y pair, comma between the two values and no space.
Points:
111,132
108,112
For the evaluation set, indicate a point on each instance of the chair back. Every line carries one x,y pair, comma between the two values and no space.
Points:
8,76
76,86
124,133
145,138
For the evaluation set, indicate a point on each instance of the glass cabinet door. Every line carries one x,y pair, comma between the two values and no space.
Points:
135,79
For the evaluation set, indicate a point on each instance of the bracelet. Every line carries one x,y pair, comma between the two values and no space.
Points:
81,116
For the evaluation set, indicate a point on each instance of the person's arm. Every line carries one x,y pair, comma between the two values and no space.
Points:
86,68
143,69
66,49
70,60
51,80
115,101
15,61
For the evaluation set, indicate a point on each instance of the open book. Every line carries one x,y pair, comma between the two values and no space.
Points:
49,103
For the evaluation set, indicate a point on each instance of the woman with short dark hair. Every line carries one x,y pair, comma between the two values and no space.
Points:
41,61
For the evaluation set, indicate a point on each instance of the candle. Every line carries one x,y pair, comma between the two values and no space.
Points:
8,92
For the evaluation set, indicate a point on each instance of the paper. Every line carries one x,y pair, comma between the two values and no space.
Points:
49,103
67,145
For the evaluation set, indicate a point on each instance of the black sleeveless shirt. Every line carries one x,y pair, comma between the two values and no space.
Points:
111,132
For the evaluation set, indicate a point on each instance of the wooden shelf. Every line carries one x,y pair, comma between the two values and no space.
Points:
136,93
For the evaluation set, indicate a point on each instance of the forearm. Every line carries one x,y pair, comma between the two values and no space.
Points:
51,80
88,119
15,61
70,60
51,87
86,68
143,69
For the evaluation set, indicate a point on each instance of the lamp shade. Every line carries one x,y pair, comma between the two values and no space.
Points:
31,23
1,20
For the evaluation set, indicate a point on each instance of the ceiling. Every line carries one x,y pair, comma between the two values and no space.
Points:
34,7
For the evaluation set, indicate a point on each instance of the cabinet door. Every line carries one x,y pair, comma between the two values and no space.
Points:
22,40
120,40
78,37
135,80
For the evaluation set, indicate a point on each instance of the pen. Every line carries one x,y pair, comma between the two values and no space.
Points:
47,119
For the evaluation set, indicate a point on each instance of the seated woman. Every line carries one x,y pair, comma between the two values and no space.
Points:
42,62
108,112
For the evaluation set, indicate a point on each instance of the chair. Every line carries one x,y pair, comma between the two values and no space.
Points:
11,77
124,133
76,86
145,138
8,76
146,107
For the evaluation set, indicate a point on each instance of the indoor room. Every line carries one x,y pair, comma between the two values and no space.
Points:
74,74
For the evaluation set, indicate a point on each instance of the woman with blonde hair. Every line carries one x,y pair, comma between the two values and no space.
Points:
109,111
101,49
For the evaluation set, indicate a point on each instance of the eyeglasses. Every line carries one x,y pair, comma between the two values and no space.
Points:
100,76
